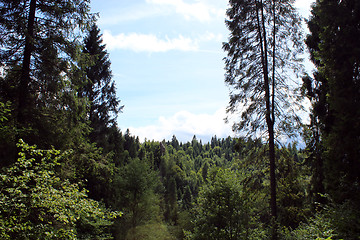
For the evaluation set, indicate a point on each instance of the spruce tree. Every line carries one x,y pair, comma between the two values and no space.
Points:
99,88
24,26
334,91
39,55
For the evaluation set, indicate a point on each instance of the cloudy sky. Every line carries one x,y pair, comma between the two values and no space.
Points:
167,62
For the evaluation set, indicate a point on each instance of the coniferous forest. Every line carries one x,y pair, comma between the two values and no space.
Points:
69,172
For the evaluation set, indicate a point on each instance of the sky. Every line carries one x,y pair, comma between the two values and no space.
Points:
167,63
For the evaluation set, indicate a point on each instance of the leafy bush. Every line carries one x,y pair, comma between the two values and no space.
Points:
318,227
334,221
222,211
36,204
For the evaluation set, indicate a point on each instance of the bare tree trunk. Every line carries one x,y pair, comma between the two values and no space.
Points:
23,91
269,110
271,129
273,204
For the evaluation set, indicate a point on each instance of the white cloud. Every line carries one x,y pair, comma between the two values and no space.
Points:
209,36
199,10
148,42
122,15
184,125
152,43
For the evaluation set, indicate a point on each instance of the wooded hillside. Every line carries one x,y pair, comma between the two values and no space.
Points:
69,172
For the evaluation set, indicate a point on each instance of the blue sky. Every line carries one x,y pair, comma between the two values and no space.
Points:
166,59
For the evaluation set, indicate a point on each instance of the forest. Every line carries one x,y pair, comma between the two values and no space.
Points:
69,172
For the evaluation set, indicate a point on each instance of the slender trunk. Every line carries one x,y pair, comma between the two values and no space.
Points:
271,128
271,123
273,63
269,110
23,92
273,205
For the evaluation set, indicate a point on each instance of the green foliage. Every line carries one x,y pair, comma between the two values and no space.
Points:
95,169
99,89
345,219
56,91
222,210
318,227
135,188
331,221
150,232
292,188
171,208
4,112
7,134
37,204
332,136
334,91
40,58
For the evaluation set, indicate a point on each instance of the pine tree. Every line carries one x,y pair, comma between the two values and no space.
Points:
265,38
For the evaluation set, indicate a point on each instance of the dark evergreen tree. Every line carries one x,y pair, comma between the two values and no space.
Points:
116,143
39,55
99,89
171,212
175,143
204,171
131,144
24,25
334,91
58,112
187,198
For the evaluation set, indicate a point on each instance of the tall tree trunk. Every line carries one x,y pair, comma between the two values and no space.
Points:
23,91
269,113
269,109
271,128
273,62
273,204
